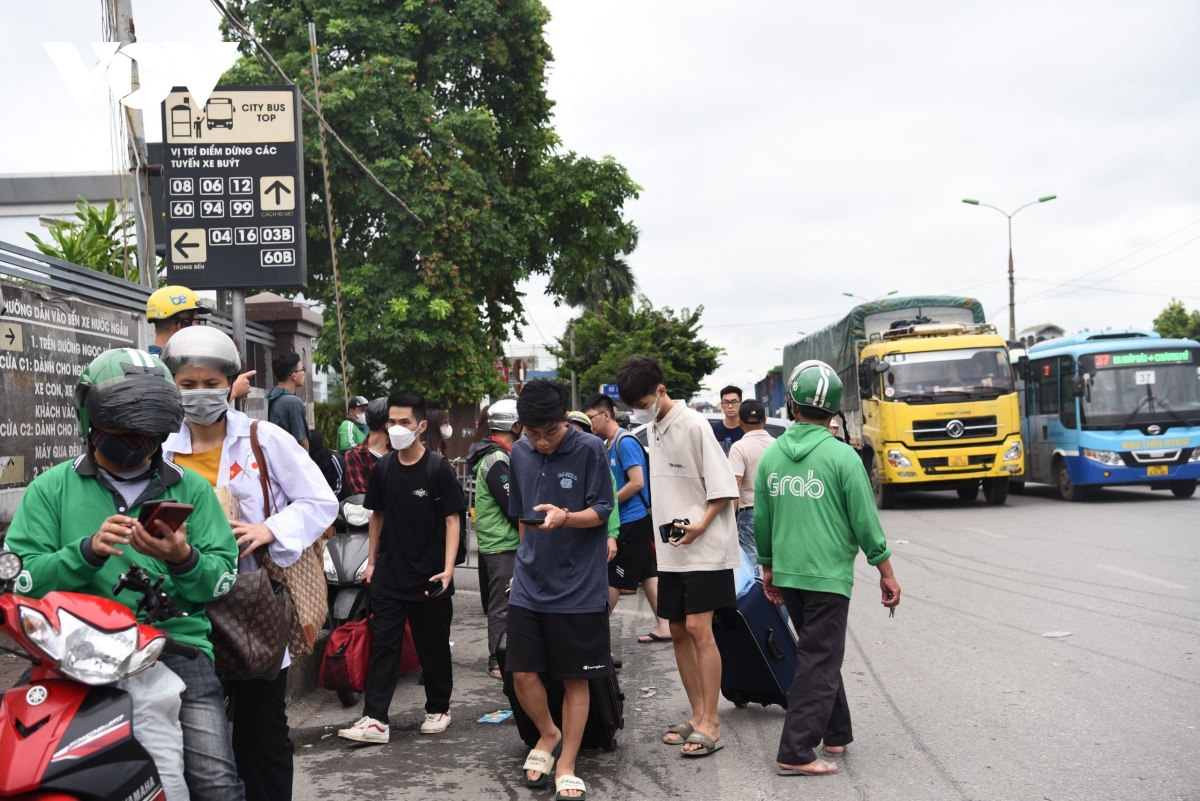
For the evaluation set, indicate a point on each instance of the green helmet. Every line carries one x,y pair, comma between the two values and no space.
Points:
128,390
815,384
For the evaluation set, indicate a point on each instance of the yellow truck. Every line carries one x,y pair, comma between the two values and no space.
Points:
930,398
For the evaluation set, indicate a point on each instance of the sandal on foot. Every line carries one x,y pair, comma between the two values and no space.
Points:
781,771
707,745
684,730
826,748
564,783
494,672
542,762
647,639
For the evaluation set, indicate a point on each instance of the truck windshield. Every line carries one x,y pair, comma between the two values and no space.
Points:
1138,388
930,376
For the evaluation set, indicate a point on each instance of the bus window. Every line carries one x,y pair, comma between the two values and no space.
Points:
1044,373
1066,368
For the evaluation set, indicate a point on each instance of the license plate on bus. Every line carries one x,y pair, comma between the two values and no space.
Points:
1157,470
959,461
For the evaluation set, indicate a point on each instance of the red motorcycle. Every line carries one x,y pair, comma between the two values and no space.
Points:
67,734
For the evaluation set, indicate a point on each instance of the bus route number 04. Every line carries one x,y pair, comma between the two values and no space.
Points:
278,257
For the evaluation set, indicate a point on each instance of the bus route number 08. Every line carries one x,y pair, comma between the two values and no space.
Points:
279,257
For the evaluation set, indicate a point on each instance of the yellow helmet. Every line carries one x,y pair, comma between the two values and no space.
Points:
171,300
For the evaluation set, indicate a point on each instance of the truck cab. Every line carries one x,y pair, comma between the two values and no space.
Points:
939,411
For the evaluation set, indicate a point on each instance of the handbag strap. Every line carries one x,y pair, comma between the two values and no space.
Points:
264,476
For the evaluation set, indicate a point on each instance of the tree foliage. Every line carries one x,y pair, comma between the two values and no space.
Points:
1175,322
100,241
607,336
445,101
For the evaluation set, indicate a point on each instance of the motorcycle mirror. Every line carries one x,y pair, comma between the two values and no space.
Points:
10,565
883,367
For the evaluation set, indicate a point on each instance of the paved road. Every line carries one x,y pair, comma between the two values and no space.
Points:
960,696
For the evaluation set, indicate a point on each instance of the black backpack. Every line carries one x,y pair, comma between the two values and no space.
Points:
432,467
644,492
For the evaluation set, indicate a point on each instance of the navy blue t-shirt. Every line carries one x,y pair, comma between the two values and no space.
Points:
726,436
563,570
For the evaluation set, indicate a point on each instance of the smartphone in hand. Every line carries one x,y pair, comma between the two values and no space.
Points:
434,589
168,511
532,522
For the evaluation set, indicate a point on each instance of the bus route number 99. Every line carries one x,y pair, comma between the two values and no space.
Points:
279,257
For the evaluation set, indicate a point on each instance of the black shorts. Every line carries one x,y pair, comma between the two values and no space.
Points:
683,594
634,562
569,647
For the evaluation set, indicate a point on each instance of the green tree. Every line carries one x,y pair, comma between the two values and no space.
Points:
446,103
1175,322
101,240
607,336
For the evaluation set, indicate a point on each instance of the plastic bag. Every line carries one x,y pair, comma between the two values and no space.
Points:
744,575
156,701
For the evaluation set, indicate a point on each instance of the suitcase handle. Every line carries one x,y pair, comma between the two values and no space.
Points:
773,645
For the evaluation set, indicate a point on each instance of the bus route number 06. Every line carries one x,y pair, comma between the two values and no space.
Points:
280,257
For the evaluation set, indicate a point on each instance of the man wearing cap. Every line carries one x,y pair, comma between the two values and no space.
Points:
174,308
743,458
353,429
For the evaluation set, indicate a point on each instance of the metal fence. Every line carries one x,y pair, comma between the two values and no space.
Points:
466,480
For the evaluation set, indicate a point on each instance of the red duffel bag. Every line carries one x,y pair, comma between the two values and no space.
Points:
348,654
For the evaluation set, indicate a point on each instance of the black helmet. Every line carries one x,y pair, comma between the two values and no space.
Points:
357,401
128,390
377,414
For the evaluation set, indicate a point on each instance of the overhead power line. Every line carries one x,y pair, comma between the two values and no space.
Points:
245,32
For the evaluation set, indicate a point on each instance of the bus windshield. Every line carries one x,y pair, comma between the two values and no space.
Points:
1137,388
932,376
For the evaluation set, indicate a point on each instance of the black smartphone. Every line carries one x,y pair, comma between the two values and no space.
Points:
671,531
532,521
435,589
172,513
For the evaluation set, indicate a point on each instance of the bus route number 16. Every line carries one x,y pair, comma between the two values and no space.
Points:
279,257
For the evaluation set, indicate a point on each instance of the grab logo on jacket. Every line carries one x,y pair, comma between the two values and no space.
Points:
798,486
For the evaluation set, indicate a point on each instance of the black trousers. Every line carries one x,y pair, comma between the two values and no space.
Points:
262,746
817,708
430,621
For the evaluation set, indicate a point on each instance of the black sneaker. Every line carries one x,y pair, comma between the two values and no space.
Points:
616,662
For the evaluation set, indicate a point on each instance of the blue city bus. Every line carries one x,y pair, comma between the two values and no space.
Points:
1112,408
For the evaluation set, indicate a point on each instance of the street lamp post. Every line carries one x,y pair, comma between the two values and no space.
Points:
1012,289
864,300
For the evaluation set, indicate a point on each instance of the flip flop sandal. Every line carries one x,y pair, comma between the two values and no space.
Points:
652,638
494,672
684,730
707,745
564,783
798,772
543,763
834,753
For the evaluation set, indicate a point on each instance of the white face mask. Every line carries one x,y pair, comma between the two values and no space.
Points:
447,431
360,418
401,438
647,416
205,406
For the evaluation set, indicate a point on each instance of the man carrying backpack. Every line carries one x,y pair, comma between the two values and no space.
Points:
416,512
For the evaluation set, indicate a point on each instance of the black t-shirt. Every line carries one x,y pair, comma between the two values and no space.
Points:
726,436
412,545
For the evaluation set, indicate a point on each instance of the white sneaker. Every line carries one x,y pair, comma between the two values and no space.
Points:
436,724
367,730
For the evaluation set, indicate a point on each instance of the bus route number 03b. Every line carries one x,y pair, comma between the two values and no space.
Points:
278,257
276,234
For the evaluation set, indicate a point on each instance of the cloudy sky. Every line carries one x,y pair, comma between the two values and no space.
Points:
790,152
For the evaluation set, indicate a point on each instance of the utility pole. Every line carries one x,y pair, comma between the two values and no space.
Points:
144,223
337,284
574,378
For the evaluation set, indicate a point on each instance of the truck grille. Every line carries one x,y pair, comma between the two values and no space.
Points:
941,464
972,428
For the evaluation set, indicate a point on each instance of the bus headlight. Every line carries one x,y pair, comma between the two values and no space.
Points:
1103,457
898,459
1014,452
1195,457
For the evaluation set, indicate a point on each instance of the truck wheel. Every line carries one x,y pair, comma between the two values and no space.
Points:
1016,487
885,494
995,491
968,493
1067,490
1183,489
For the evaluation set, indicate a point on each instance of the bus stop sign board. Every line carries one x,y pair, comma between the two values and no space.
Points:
234,175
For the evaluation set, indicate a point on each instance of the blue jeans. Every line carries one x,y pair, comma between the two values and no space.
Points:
208,764
745,528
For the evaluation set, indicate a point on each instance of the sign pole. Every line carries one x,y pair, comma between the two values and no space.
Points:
238,310
147,258
337,287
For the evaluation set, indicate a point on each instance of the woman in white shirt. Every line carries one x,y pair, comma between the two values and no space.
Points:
215,442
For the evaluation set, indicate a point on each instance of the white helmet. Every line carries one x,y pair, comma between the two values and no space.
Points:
502,415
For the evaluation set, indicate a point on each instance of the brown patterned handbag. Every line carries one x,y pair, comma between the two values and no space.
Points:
304,579
249,627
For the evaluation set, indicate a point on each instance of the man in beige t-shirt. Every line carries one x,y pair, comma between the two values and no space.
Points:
689,479
743,458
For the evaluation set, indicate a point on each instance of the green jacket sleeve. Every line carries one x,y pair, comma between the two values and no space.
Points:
34,535
762,514
345,437
211,575
614,517
861,511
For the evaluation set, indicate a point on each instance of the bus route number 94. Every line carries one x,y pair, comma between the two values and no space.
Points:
278,257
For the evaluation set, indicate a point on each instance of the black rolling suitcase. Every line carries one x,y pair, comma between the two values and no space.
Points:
605,716
758,650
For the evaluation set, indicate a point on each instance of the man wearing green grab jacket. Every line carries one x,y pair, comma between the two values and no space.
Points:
814,509
76,530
